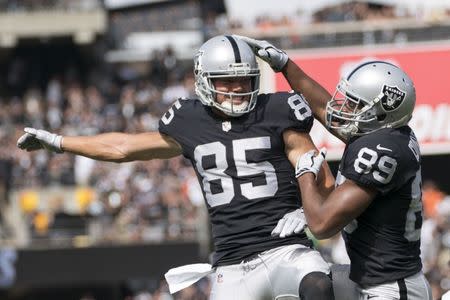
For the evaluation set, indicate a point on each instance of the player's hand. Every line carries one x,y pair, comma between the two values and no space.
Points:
275,57
291,223
310,162
35,139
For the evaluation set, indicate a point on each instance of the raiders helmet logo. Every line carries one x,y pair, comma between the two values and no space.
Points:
392,97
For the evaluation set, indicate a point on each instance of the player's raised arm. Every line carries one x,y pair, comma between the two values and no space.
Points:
316,95
299,81
114,147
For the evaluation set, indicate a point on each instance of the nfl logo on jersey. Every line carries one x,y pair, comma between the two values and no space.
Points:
226,126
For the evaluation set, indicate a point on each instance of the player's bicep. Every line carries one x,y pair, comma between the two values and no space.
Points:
150,145
347,202
297,144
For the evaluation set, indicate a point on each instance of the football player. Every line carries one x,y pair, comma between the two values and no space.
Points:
244,148
377,200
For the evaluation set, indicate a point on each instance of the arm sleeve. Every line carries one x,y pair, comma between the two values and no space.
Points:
171,122
291,111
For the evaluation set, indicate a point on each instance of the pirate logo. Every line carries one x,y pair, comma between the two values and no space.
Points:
392,97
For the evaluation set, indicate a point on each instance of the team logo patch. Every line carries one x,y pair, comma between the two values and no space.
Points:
226,126
392,97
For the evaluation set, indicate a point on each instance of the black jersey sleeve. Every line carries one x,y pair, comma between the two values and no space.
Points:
379,161
290,111
173,122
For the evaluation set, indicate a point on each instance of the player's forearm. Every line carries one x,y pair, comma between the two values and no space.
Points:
316,95
325,180
105,147
314,205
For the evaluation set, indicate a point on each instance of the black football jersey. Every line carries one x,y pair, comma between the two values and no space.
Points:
383,243
247,180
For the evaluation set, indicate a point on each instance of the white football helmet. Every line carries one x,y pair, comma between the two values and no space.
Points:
220,57
374,95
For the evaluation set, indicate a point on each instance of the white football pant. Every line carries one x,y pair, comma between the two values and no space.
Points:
273,274
415,287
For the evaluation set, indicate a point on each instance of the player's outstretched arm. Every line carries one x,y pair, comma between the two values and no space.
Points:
299,81
114,147
328,214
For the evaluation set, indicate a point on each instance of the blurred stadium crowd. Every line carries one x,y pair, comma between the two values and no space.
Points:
345,12
144,201
30,5
154,200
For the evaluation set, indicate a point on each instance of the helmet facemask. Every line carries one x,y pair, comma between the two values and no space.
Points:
349,114
208,93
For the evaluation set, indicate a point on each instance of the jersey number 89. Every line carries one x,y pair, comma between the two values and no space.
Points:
385,168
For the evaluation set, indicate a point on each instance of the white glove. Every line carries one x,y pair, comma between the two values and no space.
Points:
35,139
291,223
310,162
275,57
